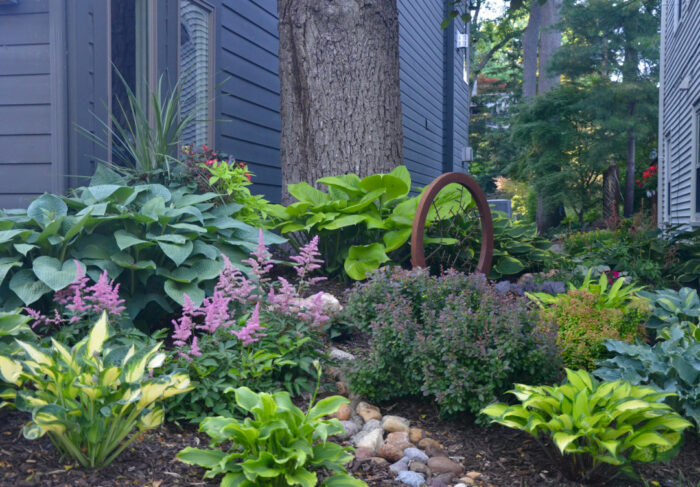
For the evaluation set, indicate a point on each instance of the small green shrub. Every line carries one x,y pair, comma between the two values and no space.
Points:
90,398
278,445
671,365
453,338
597,429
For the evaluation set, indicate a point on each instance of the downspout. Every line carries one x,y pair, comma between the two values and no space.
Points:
663,186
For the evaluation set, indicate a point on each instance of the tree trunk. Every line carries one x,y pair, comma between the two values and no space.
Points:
550,41
629,173
339,89
531,40
611,190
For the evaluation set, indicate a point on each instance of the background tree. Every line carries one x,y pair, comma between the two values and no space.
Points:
339,88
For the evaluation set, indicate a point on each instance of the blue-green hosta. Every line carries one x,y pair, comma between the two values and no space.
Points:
278,445
90,398
597,428
670,307
157,242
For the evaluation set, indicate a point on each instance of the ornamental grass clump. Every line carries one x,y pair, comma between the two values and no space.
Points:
594,430
251,331
89,399
452,338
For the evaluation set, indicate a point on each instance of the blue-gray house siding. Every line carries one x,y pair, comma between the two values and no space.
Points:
246,109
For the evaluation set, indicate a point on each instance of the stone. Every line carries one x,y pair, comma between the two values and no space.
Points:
367,411
364,453
343,388
435,451
372,440
461,484
447,477
371,425
428,441
391,452
419,467
397,437
379,461
473,475
443,465
333,372
395,423
436,482
412,479
415,435
344,412
399,466
415,454
340,355
351,428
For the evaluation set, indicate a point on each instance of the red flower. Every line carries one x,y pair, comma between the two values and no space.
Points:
247,174
205,148
210,162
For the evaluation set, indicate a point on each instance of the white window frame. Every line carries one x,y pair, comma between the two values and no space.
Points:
695,161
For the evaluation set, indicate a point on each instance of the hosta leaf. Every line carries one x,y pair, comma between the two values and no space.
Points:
55,275
326,406
177,253
125,240
176,291
27,287
47,208
7,263
204,458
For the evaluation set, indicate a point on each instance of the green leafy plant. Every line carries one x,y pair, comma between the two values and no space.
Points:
597,429
13,326
277,445
90,398
157,243
671,365
588,315
670,307
453,338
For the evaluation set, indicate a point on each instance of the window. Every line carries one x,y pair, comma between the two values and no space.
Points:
196,73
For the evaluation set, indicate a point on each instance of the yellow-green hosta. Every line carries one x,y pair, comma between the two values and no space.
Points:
598,428
90,398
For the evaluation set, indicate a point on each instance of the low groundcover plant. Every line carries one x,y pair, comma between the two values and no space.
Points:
90,398
597,429
277,445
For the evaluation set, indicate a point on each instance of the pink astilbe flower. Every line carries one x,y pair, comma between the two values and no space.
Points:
251,333
105,296
233,284
306,262
40,319
283,299
194,348
312,310
260,261
215,311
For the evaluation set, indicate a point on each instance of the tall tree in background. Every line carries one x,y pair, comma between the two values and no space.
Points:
339,88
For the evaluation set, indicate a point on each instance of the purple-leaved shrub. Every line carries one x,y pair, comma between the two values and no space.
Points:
452,338
251,331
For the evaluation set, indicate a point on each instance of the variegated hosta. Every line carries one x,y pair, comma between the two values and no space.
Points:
599,428
90,398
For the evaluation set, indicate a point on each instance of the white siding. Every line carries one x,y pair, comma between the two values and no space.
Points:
680,63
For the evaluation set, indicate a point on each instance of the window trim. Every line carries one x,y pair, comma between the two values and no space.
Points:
211,104
695,161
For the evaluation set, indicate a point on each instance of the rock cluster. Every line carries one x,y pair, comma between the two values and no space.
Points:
409,453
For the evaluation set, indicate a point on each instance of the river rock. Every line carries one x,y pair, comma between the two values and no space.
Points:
397,437
395,423
340,355
391,452
371,425
412,479
419,467
364,453
399,466
372,440
415,435
415,454
344,412
368,411
351,428
444,464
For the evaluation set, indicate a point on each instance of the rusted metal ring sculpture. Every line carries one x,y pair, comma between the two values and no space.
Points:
417,233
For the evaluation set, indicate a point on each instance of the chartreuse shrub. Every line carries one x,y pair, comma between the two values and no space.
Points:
277,445
156,242
251,332
671,365
588,315
596,429
13,326
89,399
452,338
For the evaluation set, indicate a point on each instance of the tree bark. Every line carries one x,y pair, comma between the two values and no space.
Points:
531,40
339,89
611,190
550,41
630,156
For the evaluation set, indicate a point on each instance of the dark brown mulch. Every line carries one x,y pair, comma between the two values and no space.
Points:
148,462
509,458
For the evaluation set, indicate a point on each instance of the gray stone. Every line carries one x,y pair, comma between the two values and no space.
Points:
372,440
412,479
351,428
371,425
443,465
340,355
395,423
415,454
399,466
436,482
419,467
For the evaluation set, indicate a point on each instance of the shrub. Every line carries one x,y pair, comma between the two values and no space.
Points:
671,365
279,445
90,398
589,315
157,243
597,429
669,307
249,332
451,337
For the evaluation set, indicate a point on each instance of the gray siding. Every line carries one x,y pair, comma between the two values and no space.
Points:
680,60
26,169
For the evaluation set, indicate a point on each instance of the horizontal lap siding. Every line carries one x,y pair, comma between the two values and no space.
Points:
681,59
421,74
26,169
248,102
